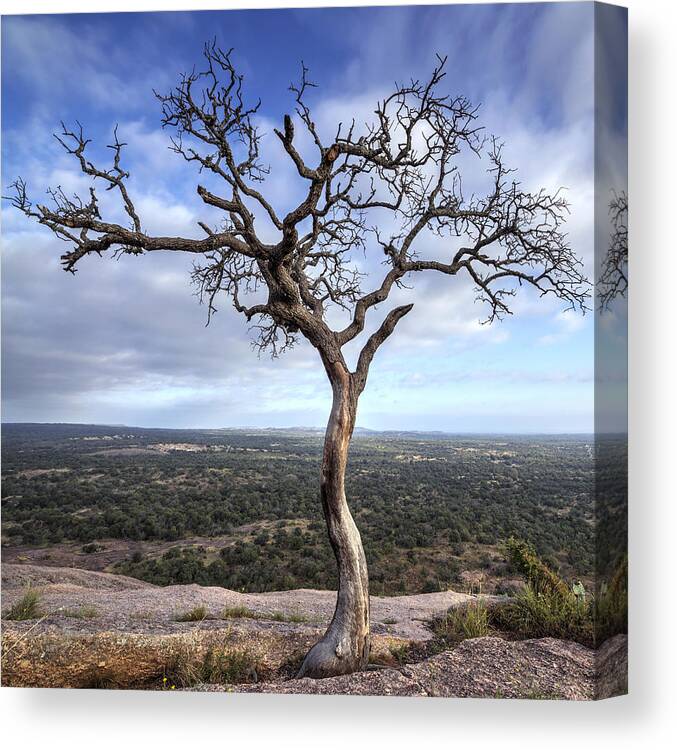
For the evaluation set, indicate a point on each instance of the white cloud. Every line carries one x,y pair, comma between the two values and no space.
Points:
130,336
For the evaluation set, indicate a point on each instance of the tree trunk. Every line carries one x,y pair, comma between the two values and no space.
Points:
344,648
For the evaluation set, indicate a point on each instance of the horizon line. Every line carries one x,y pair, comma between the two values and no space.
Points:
310,428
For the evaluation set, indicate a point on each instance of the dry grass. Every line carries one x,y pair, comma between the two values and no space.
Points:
197,614
84,612
232,613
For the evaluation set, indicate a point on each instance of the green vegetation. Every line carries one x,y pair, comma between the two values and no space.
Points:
400,652
429,506
546,607
237,612
536,614
524,560
466,621
26,608
197,614
91,547
549,607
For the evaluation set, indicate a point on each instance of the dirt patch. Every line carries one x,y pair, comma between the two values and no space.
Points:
543,669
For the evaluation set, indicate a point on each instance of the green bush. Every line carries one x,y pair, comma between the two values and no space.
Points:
26,608
548,607
523,558
541,614
467,621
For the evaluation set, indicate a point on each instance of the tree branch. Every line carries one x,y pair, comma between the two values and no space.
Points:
375,341
403,165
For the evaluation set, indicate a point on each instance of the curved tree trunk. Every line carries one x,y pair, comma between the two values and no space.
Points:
344,648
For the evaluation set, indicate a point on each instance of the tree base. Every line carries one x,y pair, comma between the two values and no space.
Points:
331,657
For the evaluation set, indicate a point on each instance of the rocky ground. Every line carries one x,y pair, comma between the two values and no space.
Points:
101,630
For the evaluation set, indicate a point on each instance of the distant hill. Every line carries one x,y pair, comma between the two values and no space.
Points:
55,429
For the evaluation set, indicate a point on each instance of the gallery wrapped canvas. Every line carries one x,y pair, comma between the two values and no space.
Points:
394,460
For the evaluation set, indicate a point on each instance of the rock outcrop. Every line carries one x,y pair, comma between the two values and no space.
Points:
102,630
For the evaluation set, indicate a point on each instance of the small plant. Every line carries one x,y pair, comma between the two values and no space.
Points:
239,612
167,684
389,621
197,614
84,612
399,652
26,608
467,621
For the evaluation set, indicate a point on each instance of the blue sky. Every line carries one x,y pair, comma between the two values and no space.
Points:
125,341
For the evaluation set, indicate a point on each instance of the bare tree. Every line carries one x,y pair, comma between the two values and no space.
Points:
613,277
403,165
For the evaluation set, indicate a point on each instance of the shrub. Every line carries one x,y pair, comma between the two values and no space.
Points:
548,607
467,621
523,558
197,614
26,608
190,665
541,614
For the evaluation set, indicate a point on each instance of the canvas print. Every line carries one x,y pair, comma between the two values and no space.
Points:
314,351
